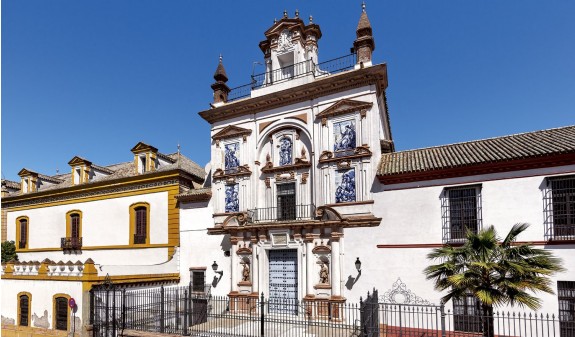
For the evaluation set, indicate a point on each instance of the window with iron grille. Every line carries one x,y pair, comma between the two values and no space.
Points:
141,224
286,201
467,314
198,280
566,297
559,208
24,310
23,233
61,313
460,212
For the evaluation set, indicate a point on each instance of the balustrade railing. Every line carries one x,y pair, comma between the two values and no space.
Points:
291,72
282,213
71,243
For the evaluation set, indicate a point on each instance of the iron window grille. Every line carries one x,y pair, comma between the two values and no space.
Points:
24,306
467,314
198,281
71,243
566,297
286,202
460,212
559,208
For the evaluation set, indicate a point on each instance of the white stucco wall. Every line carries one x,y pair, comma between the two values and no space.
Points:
411,215
198,249
104,223
42,299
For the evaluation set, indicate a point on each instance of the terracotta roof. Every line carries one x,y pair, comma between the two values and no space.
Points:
492,150
124,170
11,184
200,194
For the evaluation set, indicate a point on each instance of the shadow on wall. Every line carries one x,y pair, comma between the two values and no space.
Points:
351,281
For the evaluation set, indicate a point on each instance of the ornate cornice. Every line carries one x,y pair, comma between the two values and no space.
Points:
359,152
299,164
241,171
376,74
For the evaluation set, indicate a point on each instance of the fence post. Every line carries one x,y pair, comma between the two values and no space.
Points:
262,317
442,311
190,322
92,306
124,309
186,308
114,312
162,309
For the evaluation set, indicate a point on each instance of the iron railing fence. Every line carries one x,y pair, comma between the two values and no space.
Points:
291,72
258,316
279,213
71,243
159,309
178,310
559,208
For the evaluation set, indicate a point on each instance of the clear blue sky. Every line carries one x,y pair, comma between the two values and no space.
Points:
92,78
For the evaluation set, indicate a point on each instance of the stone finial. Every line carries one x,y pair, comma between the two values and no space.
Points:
297,13
275,20
363,6
285,13
310,19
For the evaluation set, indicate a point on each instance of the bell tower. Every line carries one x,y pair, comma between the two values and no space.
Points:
364,44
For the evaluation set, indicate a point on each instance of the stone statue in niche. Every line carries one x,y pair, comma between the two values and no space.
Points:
285,151
323,274
246,273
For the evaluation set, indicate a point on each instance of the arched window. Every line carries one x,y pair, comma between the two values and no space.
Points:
140,223
24,299
61,312
22,232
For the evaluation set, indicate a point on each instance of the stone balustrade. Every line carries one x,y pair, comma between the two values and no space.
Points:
48,268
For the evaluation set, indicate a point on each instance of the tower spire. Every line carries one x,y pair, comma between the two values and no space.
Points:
221,89
364,44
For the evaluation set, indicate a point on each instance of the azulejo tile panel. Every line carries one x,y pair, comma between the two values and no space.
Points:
232,201
345,185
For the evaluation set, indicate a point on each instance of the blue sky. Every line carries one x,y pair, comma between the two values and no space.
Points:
93,78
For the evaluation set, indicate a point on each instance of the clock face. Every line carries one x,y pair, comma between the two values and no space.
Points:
284,40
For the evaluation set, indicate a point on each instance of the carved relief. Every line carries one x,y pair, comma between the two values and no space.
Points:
285,176
229,175
343,164
268,182
401,295
246,272
304,177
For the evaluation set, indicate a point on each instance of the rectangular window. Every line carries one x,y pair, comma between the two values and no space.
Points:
566,296
286,202
559,208
467,314
460,212
198,280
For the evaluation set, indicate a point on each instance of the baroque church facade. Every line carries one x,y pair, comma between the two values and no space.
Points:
305,198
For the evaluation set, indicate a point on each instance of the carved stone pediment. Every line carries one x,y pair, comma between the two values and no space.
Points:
359,152
342,107
231,131
244,251
239,171
321,249
326,213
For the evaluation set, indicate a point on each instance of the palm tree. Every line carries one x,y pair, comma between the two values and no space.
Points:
497,273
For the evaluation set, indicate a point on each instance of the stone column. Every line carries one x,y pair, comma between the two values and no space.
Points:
335,265
309,238
255,266
234,262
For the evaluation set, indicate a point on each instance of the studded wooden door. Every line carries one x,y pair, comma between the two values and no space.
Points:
283,281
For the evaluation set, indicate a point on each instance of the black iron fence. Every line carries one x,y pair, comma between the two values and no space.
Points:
291,72
282,213
180,310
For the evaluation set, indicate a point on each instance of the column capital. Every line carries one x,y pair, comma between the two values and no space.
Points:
310,237
335,236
